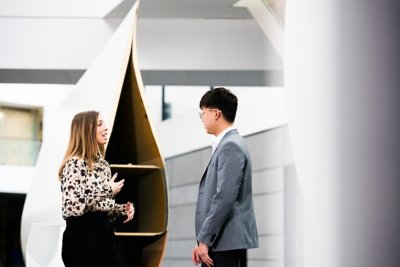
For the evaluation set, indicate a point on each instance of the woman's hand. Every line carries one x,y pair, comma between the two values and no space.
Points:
130,211
116,186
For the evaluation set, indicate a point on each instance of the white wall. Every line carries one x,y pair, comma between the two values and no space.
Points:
59,8
52,43
259,109
163,44
177,44
17,179
48,96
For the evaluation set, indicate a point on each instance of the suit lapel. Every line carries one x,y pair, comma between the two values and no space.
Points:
205,171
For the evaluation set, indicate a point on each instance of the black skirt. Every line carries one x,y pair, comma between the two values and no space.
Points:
89,240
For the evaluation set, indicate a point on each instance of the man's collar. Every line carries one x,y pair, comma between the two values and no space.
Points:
221,135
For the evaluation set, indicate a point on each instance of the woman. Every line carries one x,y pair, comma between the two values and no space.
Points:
88,193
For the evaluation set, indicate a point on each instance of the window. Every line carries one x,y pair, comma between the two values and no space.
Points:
20,135
172,101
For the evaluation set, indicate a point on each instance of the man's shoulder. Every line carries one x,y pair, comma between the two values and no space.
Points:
232,136
232,140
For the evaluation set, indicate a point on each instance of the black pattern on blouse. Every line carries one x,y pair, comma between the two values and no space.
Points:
84,191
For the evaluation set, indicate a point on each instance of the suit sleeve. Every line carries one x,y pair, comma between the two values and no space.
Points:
231,162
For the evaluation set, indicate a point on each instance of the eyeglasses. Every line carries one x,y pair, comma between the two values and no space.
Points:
201,113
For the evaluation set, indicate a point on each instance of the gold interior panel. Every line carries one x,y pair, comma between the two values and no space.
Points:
142,251
132,139
132,151
144,186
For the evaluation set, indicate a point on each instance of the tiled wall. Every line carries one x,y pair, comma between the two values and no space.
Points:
275,194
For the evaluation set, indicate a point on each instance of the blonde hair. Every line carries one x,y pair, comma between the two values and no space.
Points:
83,141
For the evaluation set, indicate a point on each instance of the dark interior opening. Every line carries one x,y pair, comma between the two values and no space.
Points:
11,206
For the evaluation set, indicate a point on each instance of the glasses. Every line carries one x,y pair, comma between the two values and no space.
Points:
201,113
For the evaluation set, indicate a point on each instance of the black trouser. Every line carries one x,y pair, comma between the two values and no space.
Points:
229,258
88,241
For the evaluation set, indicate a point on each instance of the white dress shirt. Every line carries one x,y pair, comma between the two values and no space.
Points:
218,138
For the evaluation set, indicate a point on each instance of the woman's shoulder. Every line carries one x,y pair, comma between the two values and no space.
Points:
72,166
75,162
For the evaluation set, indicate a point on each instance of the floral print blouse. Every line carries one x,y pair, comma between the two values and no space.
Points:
84,191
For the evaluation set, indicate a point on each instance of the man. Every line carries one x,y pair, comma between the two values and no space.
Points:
225,222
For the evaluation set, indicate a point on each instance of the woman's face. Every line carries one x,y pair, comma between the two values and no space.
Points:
101,133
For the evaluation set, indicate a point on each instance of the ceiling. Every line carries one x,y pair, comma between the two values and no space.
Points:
171,9
193,9
207,9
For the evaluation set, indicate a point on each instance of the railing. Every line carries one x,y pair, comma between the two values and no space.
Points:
19,151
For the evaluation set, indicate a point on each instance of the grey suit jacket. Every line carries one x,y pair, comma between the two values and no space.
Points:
225,217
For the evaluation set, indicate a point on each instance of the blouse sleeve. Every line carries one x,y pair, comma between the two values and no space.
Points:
113,209
77,196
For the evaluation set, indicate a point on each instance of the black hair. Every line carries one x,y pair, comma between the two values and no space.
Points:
222,99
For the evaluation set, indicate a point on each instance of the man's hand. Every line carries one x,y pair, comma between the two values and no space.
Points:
195,256
116,186
200,255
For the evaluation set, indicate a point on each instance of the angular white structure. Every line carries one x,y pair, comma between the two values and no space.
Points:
113,86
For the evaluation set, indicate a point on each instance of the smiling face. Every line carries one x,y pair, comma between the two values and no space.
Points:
101,134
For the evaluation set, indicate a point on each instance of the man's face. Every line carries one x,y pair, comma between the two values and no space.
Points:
209,118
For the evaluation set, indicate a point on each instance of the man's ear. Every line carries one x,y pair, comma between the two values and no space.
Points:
218,114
